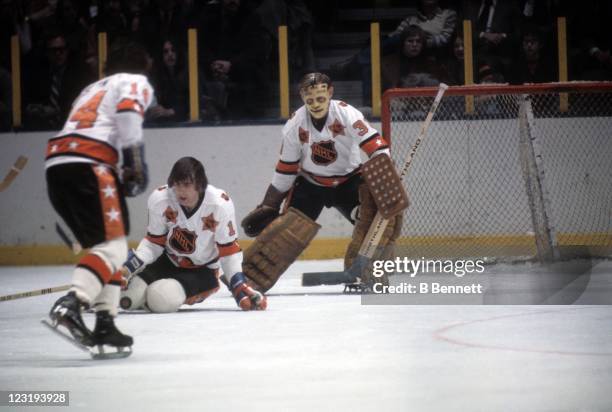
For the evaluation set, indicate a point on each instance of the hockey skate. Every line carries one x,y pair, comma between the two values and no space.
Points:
66,312
107,341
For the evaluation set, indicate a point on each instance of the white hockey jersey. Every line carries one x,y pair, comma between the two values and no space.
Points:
330,156
91,133
201,238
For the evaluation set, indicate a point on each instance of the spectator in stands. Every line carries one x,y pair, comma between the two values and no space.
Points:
437,23
453,70
489,72
52,83
534,64
161,20
299,21
412,66
170,80
234,50
495,28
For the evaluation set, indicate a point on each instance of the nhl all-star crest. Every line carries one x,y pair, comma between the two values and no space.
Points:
324,152
183,240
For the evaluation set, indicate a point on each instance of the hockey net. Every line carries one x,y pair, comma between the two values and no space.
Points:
505,172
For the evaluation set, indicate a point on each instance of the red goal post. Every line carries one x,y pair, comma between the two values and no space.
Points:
506,172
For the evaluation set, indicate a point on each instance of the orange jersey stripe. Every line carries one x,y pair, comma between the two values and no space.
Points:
109,201
373,144
228,249
333,181
96,265
159,240
130,105
74,145
287,168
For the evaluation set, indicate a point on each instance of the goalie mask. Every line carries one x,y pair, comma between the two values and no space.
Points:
316,92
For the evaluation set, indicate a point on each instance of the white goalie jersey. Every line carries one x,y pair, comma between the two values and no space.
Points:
205,237
104,118
330,156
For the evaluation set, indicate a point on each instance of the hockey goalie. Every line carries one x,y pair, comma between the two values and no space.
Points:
319,166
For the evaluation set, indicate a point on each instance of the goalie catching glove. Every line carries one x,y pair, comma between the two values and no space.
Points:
135,175
246,297
257,220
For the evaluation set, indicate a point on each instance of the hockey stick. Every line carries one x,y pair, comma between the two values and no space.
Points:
31,293
12,174
378,225
75,246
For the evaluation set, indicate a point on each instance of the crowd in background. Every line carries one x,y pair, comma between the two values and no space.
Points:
514,42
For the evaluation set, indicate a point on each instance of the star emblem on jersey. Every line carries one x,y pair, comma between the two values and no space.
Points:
113,214
170,214
209,223
303,135
109,191
73,145
54,148
337,128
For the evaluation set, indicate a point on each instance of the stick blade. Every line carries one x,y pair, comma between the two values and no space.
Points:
324,278
336,278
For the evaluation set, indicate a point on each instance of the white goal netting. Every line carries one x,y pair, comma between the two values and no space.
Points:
503,168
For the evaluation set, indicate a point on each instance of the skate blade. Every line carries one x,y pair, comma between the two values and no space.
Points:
67,337
101,352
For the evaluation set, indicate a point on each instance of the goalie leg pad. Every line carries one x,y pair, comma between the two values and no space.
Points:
134,296
277,247
385,185
367,211
365,216
165,296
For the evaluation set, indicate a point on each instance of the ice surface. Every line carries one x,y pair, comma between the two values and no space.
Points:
317,349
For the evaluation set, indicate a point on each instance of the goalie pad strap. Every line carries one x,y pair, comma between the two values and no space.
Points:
277,247
385,185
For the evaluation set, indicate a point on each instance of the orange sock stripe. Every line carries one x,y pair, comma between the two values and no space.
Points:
96,265
109,201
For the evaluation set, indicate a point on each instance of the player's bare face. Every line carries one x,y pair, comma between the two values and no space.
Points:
186,194
317,98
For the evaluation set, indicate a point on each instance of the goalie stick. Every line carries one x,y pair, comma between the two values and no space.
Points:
12,174
372,239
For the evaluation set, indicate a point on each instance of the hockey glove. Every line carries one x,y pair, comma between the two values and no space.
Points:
246,297
132,266
135,171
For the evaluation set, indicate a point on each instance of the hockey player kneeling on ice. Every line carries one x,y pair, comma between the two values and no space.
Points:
319,166
86,191
191,236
